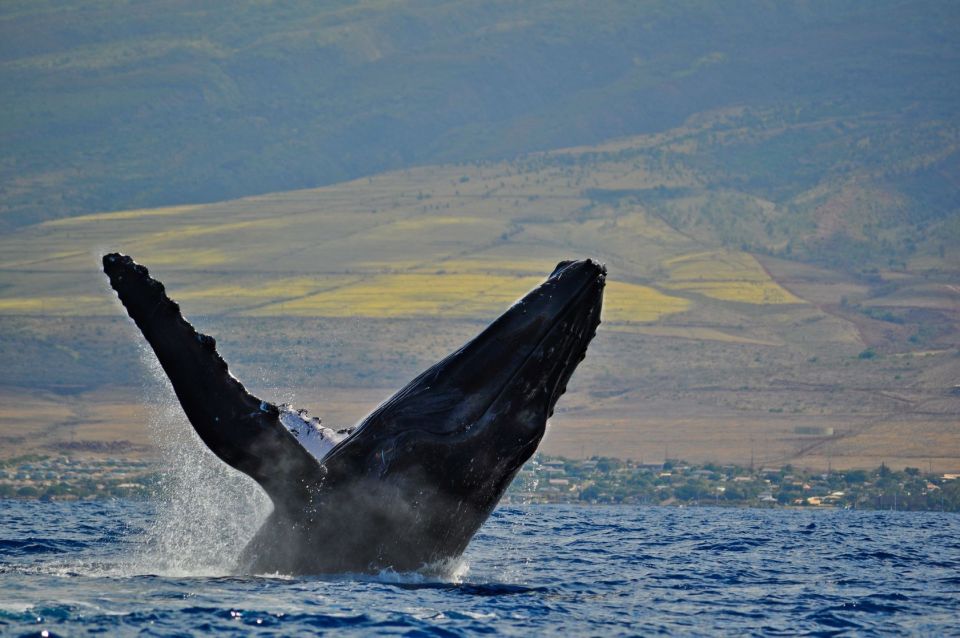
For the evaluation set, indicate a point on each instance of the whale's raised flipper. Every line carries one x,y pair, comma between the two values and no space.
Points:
242,430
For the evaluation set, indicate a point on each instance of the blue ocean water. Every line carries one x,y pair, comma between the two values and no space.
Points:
81,567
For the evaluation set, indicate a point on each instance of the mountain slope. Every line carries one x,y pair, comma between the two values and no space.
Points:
117,105
340,294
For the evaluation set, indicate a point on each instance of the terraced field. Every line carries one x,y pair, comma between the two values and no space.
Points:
728,276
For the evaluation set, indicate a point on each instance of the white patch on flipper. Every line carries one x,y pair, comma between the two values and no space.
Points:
315,439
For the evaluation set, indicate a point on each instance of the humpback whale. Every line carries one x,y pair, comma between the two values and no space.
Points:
410,485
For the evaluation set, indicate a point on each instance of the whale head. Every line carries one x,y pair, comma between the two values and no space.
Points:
442,450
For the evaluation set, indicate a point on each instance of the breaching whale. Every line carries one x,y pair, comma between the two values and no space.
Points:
409,486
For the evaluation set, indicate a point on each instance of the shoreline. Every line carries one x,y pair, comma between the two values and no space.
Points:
556,480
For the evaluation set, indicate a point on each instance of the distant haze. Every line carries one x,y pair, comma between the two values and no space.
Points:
115,105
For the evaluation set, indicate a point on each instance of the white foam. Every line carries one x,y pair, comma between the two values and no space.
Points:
316,439
205,510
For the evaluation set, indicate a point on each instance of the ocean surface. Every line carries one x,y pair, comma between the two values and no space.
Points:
112,567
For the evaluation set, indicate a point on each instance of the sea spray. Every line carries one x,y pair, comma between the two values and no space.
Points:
205,510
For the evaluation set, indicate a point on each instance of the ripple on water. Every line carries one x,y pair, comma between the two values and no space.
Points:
538,569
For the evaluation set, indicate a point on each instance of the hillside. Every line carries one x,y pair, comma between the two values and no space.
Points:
115,105
726,336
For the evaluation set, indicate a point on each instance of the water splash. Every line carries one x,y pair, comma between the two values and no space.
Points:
450,570
205,511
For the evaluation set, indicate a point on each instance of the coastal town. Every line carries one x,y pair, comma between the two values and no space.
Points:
673,482
548,479
65,478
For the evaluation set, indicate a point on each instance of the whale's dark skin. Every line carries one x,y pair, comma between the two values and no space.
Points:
412,483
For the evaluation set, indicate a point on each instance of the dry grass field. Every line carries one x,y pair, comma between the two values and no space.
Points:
333,297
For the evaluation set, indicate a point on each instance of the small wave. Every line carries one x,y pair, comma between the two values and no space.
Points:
38,613
834,618
739,545
252,617
873,556
418,582
27,546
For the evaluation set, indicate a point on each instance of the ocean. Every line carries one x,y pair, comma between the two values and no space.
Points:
122,567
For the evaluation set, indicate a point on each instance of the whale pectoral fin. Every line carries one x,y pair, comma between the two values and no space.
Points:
242,430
